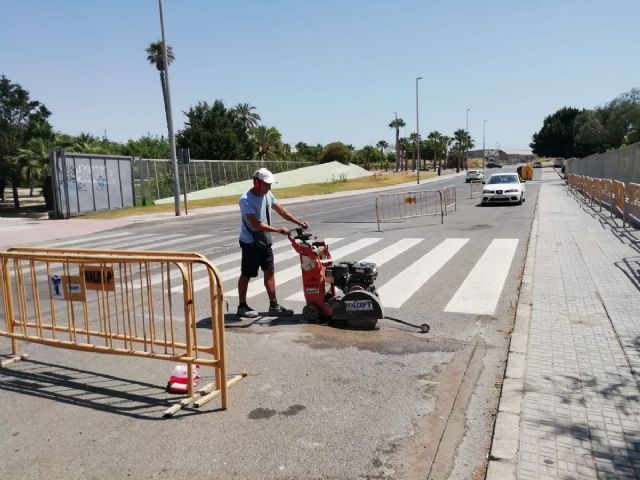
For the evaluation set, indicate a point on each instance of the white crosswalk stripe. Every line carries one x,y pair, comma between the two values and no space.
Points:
480,291
401,287
89,239
234,272
291,273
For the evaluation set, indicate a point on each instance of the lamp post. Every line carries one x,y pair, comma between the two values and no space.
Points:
417,133
466,152
172,139
397,146
484,155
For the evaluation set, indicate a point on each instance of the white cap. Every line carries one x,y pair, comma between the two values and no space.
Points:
265,176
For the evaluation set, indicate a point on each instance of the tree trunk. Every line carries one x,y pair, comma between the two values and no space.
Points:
16,198
164,96
397,149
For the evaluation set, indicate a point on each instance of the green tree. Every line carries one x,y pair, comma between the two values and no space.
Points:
436,146
308,153
268,143
336,152
368,156
243,112
20,120
557,136
148,147
405,147
382,144
214,133
33,160
463,143
591,134
397,123
155,56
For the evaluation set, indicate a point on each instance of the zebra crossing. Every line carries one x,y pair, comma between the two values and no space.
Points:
478,292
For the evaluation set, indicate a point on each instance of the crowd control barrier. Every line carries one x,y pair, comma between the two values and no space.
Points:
132,303
450,199
398,206
475,187
621,200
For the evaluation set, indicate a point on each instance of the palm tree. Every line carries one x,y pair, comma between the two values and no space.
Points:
33,160
382,144
243,112
155,56
438,144
269,144
463,143
414,151
405,146
397,123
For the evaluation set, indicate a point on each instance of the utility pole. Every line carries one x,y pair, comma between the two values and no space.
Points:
484,155
172,139
417,132
466,153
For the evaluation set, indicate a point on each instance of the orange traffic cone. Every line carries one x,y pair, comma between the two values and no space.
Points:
178,380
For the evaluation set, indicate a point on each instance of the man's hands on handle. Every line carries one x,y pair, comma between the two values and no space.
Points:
286,230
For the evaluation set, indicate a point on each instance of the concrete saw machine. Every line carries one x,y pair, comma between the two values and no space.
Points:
336,291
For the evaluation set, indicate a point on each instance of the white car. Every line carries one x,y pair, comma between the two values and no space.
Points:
474,176
503,188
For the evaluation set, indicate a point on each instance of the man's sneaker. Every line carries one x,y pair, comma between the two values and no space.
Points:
280,311
247,312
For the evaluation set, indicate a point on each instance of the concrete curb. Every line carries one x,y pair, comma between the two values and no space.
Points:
503,459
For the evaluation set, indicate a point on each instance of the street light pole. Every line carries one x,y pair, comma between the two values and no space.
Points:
466,153
417,132
397,146
484,155
172,139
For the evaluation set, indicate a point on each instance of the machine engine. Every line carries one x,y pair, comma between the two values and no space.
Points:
350,276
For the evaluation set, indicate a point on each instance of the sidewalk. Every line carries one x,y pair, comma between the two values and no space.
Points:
570,407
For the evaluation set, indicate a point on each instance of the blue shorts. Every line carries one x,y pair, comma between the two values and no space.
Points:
254,258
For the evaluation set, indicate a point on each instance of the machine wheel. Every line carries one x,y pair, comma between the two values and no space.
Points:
311,313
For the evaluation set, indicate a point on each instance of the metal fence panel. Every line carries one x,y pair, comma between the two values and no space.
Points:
87,183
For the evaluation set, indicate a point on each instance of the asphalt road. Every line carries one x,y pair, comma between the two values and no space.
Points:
323,402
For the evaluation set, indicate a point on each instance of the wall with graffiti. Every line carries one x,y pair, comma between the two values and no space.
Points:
90,183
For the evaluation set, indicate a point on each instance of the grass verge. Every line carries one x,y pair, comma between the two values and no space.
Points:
376,181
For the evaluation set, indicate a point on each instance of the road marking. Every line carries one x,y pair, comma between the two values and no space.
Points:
84,240
294,272
401,287
379,258
480,291
234,272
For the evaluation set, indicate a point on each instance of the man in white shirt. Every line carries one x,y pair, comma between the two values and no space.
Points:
255,241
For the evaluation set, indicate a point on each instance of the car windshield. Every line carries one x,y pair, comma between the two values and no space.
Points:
504,179
473,172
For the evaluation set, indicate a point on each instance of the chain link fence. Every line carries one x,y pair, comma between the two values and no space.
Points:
153,178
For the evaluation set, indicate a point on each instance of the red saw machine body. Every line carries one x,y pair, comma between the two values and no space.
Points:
336,291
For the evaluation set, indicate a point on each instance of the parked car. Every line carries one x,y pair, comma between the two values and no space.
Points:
493,165
474,176
503,188
537,164
558,163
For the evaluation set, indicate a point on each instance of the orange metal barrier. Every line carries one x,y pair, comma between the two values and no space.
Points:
133,303
632,205
620,199
397,206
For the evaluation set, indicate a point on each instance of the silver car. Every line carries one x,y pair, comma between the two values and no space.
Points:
474,176
503,188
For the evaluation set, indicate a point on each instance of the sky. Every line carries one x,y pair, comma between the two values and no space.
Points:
324,71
